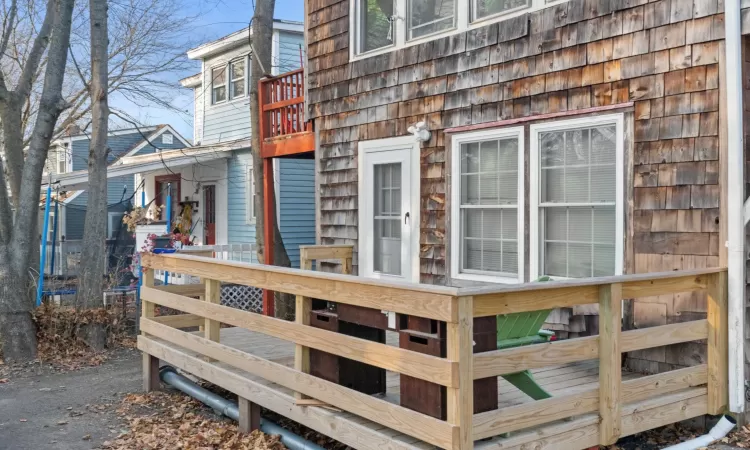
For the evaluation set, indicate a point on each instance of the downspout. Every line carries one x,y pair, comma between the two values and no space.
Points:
721,429
292,441
735,202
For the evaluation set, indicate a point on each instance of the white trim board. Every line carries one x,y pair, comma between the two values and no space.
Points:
455,213
365,232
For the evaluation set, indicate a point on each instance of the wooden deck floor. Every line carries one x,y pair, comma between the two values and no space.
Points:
343,426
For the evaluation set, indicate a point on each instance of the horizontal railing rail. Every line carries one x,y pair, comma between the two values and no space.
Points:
607,410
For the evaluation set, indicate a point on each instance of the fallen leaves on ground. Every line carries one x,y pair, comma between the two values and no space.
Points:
166,421
738,438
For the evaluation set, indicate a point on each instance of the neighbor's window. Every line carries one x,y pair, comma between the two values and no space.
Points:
487,8
219,84
577,164
237,79
114,224
375,26
487,190
430,16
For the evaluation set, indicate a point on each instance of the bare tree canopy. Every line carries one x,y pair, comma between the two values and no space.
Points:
147,43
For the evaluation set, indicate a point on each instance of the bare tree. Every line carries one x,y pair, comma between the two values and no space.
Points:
261,35
19,194
90,288
147,42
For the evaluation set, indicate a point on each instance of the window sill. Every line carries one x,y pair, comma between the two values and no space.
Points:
485,278
229,102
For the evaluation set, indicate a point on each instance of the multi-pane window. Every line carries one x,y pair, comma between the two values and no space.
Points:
381,25
577,202
487,8
237,79
427,17
487,191
219,84
387,218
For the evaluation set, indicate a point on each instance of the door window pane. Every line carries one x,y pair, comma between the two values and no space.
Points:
387,218
485,8
375,24
430,16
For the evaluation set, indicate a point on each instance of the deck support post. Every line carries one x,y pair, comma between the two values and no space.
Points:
718,345
269,212
303,307
610,363
150,373
212,328
249,420
460,348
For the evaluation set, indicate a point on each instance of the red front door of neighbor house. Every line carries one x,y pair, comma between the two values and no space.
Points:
209,214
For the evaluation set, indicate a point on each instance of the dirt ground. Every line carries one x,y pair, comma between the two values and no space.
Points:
44,409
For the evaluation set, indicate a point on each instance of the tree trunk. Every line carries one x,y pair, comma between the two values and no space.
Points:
16,325
261,37
93,261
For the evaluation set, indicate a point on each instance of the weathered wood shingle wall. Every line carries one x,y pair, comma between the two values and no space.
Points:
662,55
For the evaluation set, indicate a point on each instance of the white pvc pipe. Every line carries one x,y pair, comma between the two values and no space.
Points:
735,206
719,430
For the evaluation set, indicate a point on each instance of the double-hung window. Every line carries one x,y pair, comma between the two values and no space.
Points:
218,85
237,79
487,222
380,25
576,198
576,185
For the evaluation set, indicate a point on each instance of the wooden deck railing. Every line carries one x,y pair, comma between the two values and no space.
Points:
284,129
600,410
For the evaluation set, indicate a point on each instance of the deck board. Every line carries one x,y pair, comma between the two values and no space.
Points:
567,378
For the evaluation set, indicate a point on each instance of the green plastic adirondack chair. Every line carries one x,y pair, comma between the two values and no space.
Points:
516,330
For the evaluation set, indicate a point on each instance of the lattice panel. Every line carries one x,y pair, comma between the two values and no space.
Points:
242,297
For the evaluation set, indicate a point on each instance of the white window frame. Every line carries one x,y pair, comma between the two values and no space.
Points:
250,195
456,141
230,80
110,215
535,192
214,87
463,22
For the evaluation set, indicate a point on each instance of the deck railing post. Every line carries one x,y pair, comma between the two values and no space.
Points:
718,345
150,363
610,363
460,348
212,328
303,307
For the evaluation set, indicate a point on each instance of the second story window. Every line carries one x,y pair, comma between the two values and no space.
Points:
487,8
219,84
431,16
237,79
375,24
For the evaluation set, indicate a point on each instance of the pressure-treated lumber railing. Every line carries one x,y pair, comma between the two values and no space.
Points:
612,393
608,408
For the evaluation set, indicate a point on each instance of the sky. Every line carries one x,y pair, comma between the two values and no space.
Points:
215,18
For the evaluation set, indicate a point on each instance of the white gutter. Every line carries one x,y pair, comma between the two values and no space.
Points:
735,207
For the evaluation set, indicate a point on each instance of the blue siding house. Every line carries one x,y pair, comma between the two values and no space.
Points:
222,115
69,154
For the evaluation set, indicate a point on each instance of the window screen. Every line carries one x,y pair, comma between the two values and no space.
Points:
489,207
577,202
430,16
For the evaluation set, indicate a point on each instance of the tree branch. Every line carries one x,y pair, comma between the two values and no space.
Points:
37,50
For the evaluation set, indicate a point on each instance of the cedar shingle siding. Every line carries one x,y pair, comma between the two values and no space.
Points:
663,56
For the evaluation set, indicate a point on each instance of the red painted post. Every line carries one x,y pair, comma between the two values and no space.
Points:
269,213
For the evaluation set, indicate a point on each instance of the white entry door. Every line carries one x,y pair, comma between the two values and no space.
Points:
389,209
